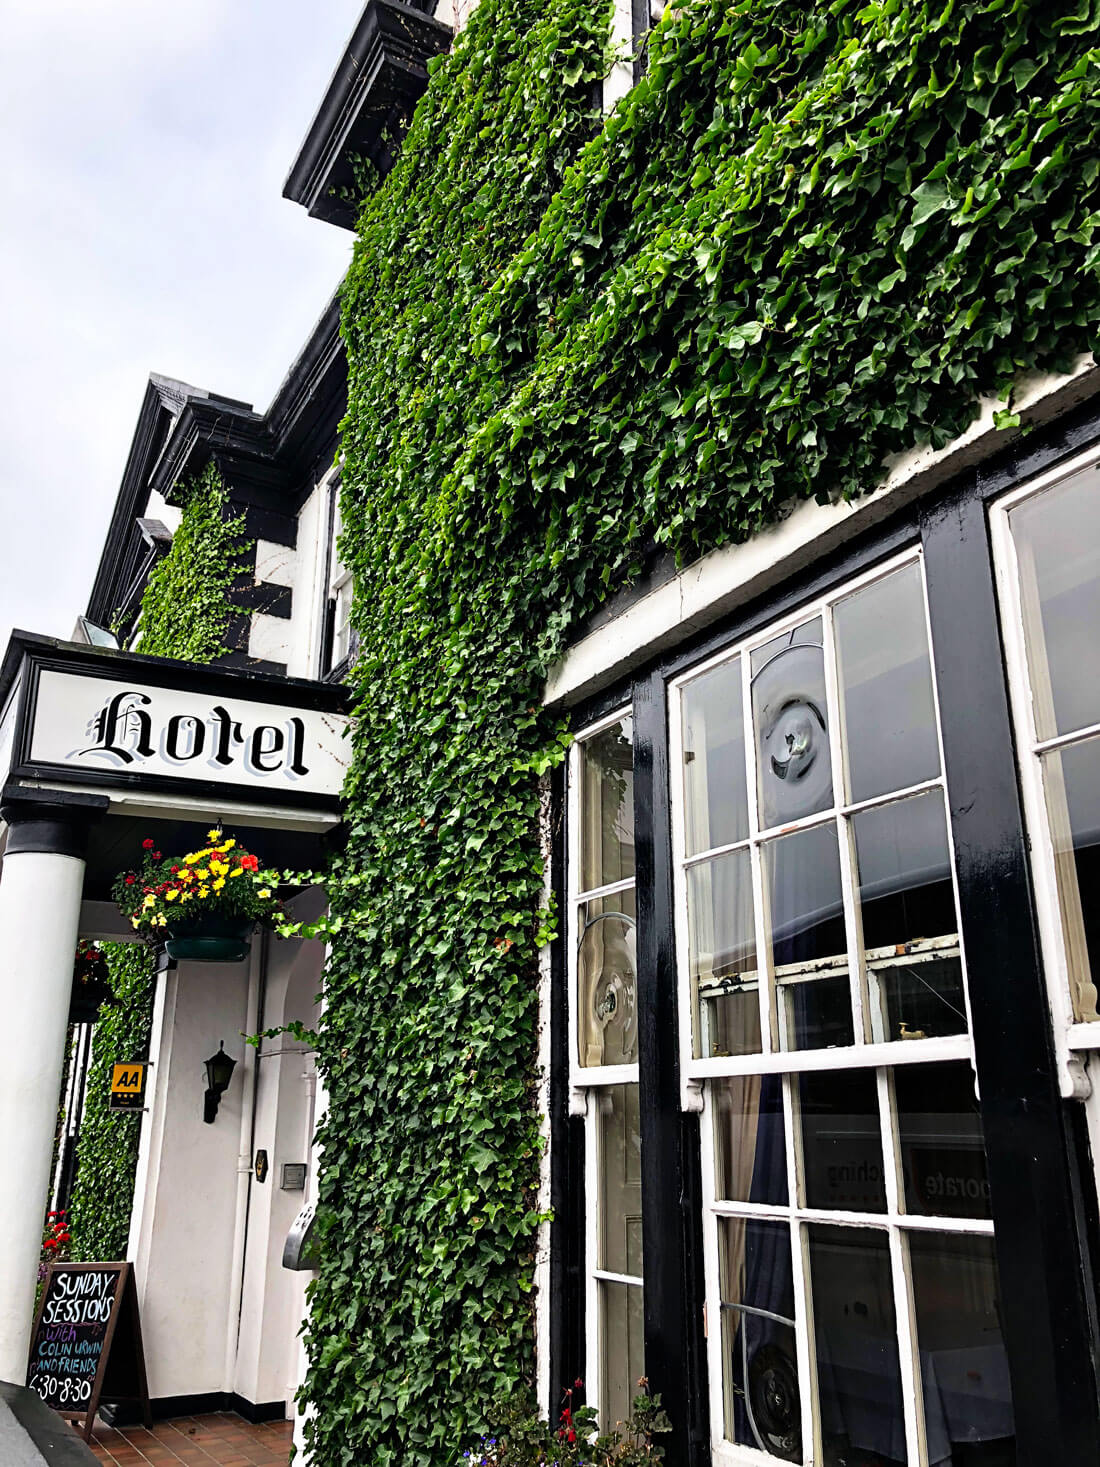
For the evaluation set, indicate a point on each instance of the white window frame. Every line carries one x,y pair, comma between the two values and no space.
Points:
1072,1040
587,1083
863,1054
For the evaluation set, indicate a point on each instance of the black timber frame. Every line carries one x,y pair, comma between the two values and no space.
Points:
1042,1183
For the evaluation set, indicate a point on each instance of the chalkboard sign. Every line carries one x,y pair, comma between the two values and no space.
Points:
86,1343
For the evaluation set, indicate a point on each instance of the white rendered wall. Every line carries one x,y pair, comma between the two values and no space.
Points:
181,1233
307,606
273,1299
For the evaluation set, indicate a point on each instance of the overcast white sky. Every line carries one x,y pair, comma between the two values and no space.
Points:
142,228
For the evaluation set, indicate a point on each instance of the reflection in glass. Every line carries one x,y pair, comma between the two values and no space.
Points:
715,798
802,873
886,683
750,1156
855,1334
722,956
619,1215
759,1369
1071,777
607,990
964,1369
622,1350
1057,540
607,806
942,1143
842,1141
910,930
790,721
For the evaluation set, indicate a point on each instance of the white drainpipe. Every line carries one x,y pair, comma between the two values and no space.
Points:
256,960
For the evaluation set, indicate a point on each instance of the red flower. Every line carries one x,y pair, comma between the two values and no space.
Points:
131,879
174,870
64,1237
147,844
50,1243
250,863
157,856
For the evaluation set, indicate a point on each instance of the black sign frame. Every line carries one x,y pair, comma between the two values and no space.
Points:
28,655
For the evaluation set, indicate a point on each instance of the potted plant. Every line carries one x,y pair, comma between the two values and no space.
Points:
91,983
203,905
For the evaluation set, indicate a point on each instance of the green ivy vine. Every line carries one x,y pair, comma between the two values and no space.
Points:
99,1211
185,610
811,237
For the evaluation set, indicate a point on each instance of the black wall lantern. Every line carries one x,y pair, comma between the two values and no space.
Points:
219,1071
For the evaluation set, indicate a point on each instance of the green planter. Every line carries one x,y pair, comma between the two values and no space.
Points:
210,939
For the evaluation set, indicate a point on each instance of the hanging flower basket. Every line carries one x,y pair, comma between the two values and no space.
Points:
201,906
91,984
209,938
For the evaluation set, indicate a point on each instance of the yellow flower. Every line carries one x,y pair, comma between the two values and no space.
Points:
201,872
161,920
150,901
135,921
263,892
236,872
228,845
170,896
204,891
219,883
186,896
214,834
192,857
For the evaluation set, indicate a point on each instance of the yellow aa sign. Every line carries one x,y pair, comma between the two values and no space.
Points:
127,1079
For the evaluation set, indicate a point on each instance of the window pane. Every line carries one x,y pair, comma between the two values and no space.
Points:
759,1369
858,1376
964,1368
910,930
1071,778
791,725
715,797
886,683
942,1143
802,873
607,806
607,996
1057,539
750,1153
722,956
842,1141
622,1350
619,1215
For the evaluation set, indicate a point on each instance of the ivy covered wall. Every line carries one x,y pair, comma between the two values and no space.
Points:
108,1149
185,610
811,237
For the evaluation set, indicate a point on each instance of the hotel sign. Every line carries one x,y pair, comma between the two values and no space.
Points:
104,718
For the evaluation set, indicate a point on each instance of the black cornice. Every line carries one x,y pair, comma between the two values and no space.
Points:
125,547
376,86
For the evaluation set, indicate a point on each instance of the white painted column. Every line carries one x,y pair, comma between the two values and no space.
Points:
40,892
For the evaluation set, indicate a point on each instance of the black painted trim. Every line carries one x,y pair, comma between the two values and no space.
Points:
1048,1292
48,823
201,1403
567,1155
673,1307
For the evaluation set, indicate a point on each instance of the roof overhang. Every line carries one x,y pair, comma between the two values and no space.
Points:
379,80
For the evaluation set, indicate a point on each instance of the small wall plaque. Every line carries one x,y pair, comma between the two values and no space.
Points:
261,1166
127,1086
294,1176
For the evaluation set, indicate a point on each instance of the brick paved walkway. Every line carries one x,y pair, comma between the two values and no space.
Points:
222,1440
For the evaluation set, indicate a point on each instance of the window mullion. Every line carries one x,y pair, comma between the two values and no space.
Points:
805,1354
765,985
908,1356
